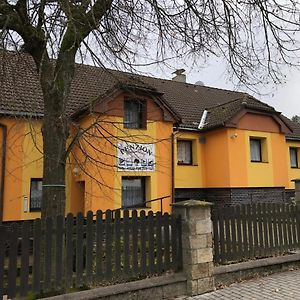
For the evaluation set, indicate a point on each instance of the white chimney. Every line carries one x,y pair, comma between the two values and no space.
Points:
179,76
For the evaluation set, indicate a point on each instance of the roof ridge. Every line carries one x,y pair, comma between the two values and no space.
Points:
223,104
157,78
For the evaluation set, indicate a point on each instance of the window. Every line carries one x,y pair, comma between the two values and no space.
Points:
184,152
294,157
255,150
135,114
36,188
133,192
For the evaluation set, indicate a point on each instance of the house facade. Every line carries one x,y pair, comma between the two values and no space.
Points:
134,139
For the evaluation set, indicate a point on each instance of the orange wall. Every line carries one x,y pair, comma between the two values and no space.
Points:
103,181
216,154
293,173
191,176
23,161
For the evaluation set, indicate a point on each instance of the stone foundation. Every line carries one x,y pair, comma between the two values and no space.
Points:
234,196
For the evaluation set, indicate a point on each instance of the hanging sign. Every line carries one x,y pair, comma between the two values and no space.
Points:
135,157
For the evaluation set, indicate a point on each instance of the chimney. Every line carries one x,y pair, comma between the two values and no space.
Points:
179,76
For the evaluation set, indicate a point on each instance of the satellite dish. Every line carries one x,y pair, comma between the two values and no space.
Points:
199,82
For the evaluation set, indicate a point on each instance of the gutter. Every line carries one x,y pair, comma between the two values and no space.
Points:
3,160
186,128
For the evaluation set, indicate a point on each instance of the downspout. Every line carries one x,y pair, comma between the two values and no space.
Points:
3,160
173,165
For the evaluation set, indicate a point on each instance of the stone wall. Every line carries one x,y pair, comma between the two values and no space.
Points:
156,288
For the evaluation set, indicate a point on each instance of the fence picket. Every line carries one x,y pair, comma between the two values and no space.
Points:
117,231
135,254
108,244
222,238
126,242
179,230
59,251
174,236
48,254
285,229
294,225
151,269
166,241
24,259
143,242
216,235
2,255
99,244
89,255
289,225
298,223
233,233
239,232
280,227
228,239
12,266
69,253
159,242
79,249
36,256
265,228
245,236
270,228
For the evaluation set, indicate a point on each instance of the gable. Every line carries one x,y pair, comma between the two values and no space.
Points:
260,122
114,106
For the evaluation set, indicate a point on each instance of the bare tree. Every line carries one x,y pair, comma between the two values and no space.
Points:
255,37
296,119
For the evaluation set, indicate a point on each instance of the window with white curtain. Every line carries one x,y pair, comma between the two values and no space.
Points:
133,192
36,190
255,150
294,157
184,152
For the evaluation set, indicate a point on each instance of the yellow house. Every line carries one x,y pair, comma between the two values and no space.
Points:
135,139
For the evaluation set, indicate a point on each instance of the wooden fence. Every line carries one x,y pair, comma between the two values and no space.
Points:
78,252
255,231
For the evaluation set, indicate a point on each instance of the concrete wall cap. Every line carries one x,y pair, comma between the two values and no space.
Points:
192,203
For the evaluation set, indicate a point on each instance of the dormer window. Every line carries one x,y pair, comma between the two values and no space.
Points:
135,114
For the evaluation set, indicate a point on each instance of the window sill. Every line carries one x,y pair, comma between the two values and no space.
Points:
260,162
130,128
183,164
295,167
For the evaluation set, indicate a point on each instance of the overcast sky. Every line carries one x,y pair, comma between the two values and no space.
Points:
284,98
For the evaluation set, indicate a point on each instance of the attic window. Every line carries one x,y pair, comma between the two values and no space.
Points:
135,114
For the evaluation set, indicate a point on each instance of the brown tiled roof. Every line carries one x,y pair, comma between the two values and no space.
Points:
220,114
21,93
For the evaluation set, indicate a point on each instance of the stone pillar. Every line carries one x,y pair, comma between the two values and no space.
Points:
197,245
297,190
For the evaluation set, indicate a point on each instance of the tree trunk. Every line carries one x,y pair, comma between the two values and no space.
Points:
55,133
